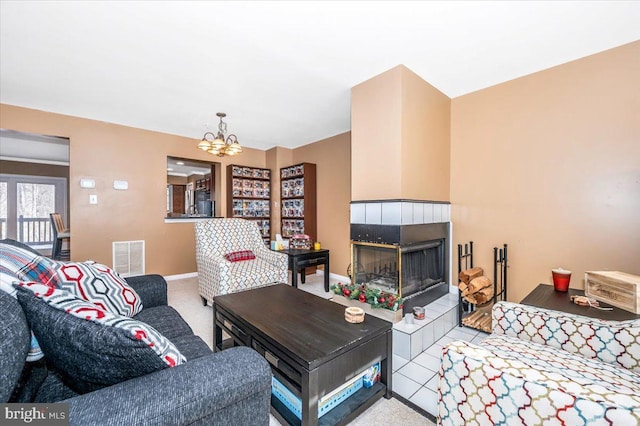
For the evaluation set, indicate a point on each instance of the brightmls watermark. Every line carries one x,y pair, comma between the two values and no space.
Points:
35,414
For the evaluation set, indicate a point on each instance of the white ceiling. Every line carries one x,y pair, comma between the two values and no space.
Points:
282,71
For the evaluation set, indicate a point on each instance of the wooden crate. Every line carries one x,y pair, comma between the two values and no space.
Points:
615,288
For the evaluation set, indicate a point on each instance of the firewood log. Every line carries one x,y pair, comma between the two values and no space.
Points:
462,286
469,274
477,284
470,298
484,295
485,324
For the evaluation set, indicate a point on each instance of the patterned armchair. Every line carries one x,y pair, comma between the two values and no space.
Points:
216,275
543,367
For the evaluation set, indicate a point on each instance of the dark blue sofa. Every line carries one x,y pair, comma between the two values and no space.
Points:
232,387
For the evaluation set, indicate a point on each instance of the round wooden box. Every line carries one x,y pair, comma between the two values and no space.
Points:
354,315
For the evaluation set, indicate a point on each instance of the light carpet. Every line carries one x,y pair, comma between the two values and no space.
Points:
183,296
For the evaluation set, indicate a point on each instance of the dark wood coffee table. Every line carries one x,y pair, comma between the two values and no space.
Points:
311,348
544,296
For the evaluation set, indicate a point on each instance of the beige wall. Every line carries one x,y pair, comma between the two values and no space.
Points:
276,158
376,125
332,157
550,164
424,172
400,138
106,152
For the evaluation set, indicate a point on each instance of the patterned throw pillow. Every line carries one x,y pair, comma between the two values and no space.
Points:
98,284
18,264
91,347
238,256
27,266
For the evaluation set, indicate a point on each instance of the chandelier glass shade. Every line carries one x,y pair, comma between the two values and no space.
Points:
219,144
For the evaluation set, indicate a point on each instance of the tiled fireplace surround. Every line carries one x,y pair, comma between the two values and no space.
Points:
417,347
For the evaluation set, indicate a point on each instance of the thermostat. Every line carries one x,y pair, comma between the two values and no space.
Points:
87,183
120,184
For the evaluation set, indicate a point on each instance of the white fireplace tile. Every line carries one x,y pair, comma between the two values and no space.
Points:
436,308
453,318
446,213
418,213
358,213
391,213
416,344
427,213
430,314
403,327
446,301
373,213
437,213
427,336
401,344
438,328
407,213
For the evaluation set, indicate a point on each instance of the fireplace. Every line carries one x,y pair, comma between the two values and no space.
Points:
411,261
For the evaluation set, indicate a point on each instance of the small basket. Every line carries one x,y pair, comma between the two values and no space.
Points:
354,315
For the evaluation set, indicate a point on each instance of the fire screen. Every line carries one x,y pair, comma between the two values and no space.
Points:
402,270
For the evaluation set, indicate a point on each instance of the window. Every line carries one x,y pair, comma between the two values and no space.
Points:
25,205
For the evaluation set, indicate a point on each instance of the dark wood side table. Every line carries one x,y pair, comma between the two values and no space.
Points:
301,259
311,348
544,296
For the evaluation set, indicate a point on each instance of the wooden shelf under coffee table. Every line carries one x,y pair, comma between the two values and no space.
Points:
311,348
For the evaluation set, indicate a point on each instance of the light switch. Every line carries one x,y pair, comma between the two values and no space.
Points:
93,199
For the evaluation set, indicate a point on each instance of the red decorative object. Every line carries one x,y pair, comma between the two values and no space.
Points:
561,278
238,256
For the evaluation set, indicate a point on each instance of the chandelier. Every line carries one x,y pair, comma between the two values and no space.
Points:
220,144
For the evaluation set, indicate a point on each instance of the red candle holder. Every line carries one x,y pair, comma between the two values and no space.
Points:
561,279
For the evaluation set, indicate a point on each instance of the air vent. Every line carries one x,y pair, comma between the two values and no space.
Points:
128,257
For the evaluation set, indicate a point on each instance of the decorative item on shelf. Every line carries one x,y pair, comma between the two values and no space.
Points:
354,315
418,313
316,245
220,144
373,296
300,241
619,289
561,278
588,301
